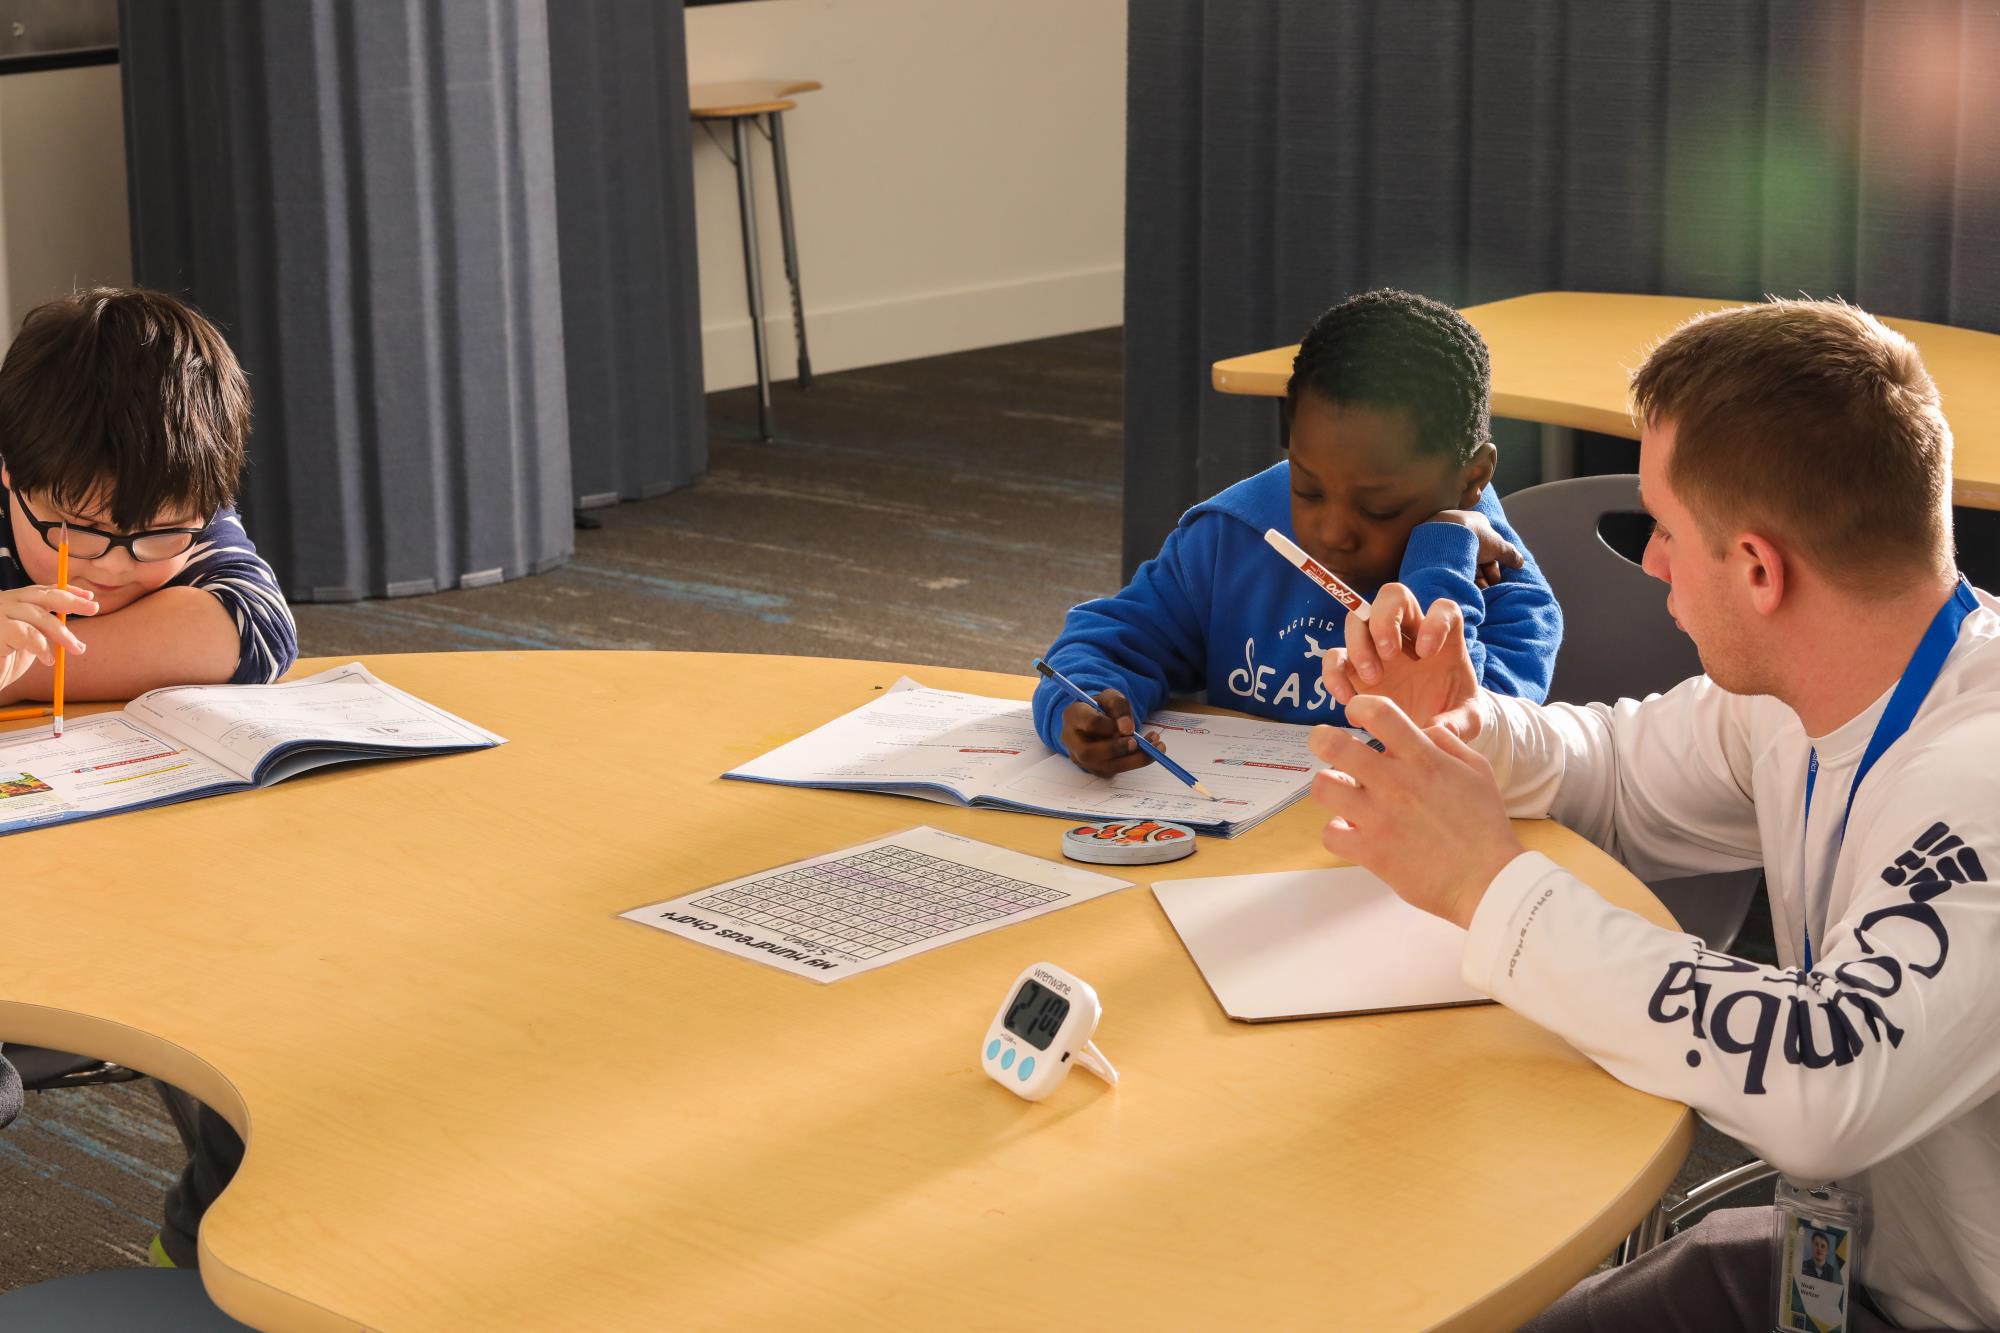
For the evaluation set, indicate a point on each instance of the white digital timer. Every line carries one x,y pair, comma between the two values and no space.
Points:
1044,1026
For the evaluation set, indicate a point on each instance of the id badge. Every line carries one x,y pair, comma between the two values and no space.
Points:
1816,1248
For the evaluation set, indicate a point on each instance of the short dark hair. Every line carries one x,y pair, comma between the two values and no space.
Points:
1391,349
124,396
1812,420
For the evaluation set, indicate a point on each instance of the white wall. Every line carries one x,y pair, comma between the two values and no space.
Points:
958,183
63,222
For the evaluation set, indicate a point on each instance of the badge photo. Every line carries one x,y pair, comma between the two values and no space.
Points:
1816,1248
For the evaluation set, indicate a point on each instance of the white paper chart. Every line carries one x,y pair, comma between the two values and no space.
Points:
850,911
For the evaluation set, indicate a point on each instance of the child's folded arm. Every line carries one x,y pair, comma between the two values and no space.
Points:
171,637
1523,629
220,621
230,570
1512,628
1149,641
1442,560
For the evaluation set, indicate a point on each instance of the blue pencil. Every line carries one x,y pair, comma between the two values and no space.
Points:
1151,750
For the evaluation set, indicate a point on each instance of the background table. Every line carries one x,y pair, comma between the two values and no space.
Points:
1562,358
475,1099
760,104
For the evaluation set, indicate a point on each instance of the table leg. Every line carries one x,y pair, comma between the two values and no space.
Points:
182,1110
746,207
1558,453
784,172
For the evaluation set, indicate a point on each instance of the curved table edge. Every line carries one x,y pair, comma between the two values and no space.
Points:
263,1306
1534,1289
247,1299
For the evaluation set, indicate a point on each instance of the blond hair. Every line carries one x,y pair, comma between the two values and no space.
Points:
1810,421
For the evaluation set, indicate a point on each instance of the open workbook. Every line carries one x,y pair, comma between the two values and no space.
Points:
190,741
968,749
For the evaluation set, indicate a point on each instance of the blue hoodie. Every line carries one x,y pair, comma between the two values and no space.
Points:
1219,610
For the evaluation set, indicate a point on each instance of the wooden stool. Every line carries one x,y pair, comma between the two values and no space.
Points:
744,104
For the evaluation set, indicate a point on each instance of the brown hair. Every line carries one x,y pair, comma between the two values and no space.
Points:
1811,421
124,396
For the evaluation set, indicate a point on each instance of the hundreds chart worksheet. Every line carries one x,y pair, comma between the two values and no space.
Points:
844,912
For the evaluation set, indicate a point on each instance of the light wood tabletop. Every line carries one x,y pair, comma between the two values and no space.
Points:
474,1098
1562,358
746,97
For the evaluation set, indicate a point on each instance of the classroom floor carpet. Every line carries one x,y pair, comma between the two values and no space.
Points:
942,511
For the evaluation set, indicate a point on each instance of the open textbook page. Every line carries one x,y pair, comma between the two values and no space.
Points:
266,733
912,741
1255,768
102,764
186,742
966,748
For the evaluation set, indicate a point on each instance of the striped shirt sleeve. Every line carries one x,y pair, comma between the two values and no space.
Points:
224,562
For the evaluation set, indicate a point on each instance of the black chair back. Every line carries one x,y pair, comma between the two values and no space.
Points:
1618,640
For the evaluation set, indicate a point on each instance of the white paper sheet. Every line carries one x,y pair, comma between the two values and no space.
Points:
1312,943
841,913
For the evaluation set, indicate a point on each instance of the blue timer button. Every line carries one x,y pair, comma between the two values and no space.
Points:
993,1048
1007,1058
1027,1069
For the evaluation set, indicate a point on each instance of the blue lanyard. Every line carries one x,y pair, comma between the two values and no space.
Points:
1926,664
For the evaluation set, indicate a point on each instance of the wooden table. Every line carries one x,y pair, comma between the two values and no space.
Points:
1562,358
475,1099
746,97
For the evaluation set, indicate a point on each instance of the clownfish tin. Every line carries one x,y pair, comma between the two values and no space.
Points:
1128,842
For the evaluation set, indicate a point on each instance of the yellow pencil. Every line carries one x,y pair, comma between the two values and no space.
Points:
62,657
16,714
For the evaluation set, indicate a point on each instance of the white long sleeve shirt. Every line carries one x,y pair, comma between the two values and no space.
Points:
1880,1067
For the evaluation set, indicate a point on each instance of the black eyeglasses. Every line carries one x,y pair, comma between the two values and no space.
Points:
93,544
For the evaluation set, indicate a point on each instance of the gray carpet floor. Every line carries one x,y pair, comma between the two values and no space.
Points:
943,511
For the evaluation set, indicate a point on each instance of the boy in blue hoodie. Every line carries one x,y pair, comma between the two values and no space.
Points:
1390,454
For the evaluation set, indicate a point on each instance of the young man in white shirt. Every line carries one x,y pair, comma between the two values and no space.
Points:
1845,736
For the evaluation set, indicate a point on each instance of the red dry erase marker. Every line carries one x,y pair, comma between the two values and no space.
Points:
1325,578
1317,572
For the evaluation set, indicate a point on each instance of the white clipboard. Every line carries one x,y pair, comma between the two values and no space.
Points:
1314,944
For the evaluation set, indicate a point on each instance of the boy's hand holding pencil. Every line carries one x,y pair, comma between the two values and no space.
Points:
31,629
1103,743
1128,748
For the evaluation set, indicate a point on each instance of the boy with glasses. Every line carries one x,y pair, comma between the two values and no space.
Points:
123,417
123,414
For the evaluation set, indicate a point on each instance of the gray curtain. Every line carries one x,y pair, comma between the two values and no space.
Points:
361,193
625,208
1282,154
